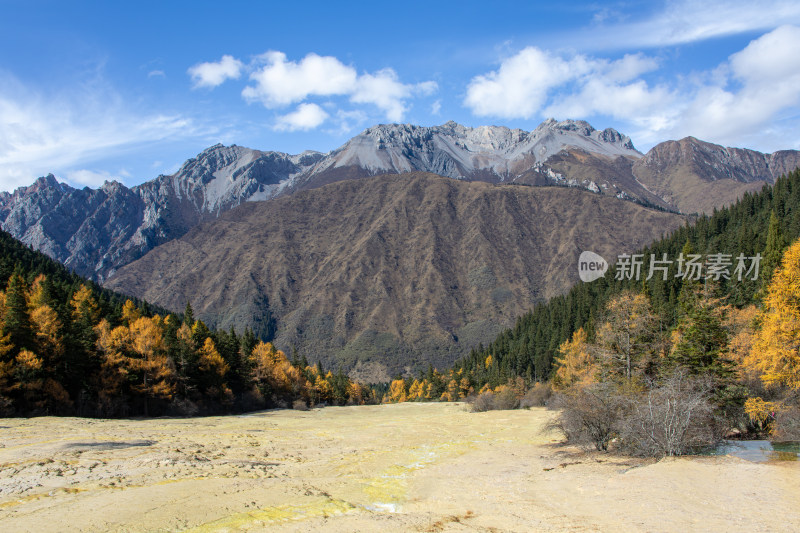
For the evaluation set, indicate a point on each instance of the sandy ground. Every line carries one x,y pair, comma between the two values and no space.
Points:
407,467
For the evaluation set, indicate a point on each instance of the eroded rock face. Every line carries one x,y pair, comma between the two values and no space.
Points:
95,231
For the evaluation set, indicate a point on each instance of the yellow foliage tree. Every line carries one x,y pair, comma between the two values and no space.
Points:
397,391
356,393
213,369
130,313
276,376
37,295
210,361
776,350
46,327
740,324
84,306
451,394
416,391
150,361
429,391
576,366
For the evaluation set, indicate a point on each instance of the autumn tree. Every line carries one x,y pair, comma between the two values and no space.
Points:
279,381
626,338
416,391
397,391
576,365
213,369
776,350
130,313
149,361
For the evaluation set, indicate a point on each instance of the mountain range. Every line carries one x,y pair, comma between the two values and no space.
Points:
96,231
337,284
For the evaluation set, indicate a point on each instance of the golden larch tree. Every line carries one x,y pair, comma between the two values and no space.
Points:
776,350
576,365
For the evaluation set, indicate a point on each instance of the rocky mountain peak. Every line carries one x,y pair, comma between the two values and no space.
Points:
95,231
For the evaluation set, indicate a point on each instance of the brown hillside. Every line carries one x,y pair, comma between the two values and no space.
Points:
392,272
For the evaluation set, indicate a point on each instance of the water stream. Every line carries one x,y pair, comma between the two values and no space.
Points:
758,451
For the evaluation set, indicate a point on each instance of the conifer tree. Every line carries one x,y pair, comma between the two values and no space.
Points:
773,249
576,365
17,323
776,350
700,341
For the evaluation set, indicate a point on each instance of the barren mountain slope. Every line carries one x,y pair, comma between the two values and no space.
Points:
696,176
396,270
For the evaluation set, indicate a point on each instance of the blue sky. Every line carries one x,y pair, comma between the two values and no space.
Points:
127,90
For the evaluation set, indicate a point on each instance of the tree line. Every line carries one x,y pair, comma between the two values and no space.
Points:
69,347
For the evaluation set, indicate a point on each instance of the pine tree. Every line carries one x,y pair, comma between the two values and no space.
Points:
188,315
700,341
17,323
773,250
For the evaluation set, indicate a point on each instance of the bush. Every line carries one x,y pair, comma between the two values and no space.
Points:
505,399
787,425
482,402
675,417
590,415
537,396
300,405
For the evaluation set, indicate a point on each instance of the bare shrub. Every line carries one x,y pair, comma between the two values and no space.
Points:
537,396
183,407
252,400
482,402
590,415
300,405
505,399
673,418
787,425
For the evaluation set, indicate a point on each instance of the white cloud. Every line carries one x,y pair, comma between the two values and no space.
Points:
525,82
764,81
156,74
385,91
346,121
686,21
278,82
436,107
746,93
305,117
60,132
212,74
519,88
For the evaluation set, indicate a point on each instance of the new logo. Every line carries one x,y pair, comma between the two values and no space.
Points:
591,266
